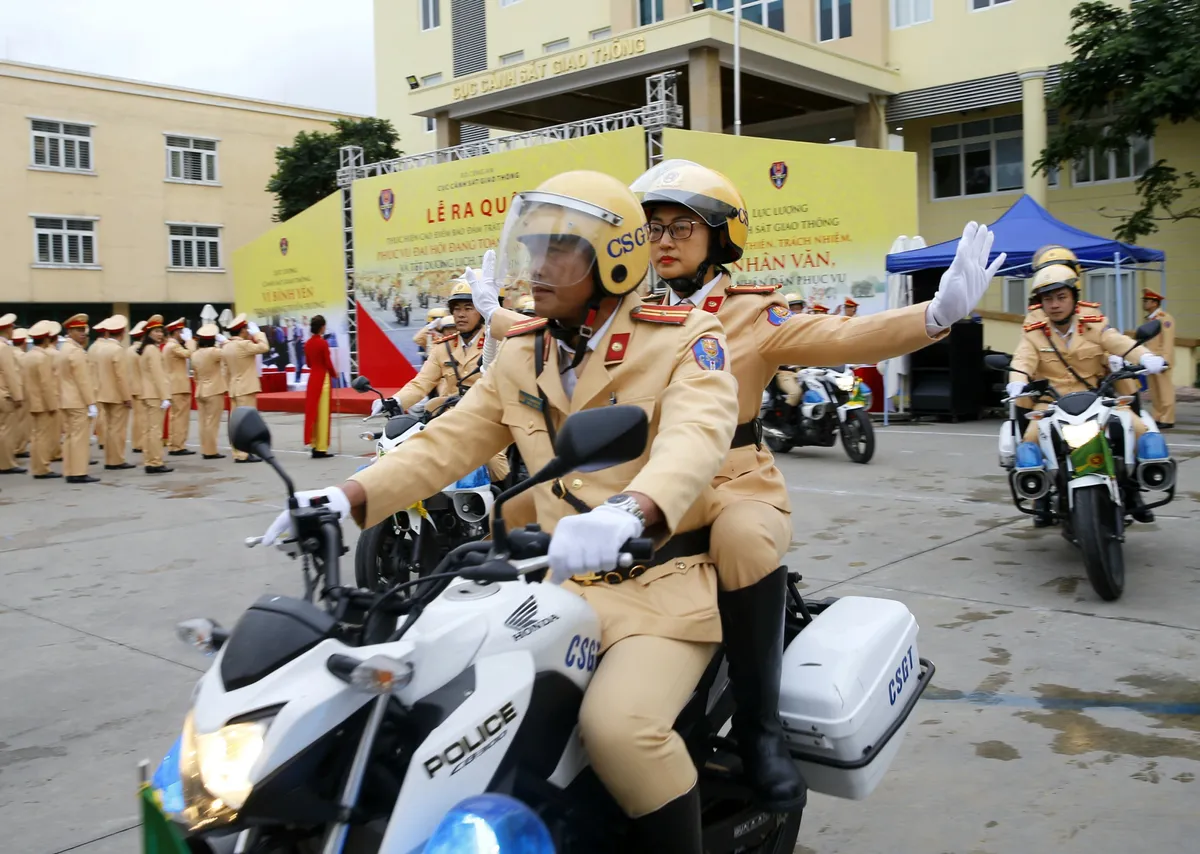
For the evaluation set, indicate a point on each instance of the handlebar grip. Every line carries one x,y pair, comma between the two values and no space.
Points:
635,549
251,542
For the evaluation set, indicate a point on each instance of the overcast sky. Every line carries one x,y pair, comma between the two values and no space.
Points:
317,53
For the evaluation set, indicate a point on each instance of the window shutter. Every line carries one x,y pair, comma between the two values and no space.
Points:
214,259
468,36
187,253
46,127
176,253
57,242
43,248
85,154
89,256
210,167
53,145
69,159
39,150
176,164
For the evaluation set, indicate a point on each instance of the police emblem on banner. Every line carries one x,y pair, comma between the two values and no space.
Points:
777,314
709,354
387,201
779,174
283,245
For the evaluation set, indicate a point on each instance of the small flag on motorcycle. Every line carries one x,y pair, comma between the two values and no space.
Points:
1093,457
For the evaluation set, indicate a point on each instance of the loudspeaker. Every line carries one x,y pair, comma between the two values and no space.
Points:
946,374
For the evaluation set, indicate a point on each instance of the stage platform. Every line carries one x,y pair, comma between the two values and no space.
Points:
346,401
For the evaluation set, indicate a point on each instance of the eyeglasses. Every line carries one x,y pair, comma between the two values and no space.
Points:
681,229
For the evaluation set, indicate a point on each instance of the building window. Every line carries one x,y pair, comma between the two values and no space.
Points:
430,124
649,12
767,13
192,160
1016,296
975,158
600,34
63,242
431,14
512,58
60,145
977,5
1126,164
195,247
905,13
1116,298
834,20
556,45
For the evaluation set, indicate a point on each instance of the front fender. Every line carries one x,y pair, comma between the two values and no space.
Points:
1088,480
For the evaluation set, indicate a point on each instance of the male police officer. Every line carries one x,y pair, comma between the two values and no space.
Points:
1162,387
1074,349
78,401
582,235
12,398
241,354
20,445
114,392
176,352
134,367
211,386
42,387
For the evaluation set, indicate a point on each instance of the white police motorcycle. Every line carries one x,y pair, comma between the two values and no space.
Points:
835,403
1087,470
357,724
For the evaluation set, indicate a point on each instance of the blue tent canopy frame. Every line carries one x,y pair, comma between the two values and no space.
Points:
1026,227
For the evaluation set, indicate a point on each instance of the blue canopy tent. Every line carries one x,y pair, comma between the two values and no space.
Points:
1026,227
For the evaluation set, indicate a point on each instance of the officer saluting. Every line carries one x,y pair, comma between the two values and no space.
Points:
211,387
595,343
241,365
1162,387
176,352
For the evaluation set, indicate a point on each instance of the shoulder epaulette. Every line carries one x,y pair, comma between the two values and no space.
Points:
1092,318
526,326
1040,324
443,339
752,289
1035,306
676,314
1087,304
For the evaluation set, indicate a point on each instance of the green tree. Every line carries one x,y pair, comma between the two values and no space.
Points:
1131,71
306,171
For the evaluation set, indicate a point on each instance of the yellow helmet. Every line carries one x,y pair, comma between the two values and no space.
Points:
1053,277
460,289
1055,254
706,193
794,298
435,313
574,209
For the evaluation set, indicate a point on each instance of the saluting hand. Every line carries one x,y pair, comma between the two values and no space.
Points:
484,292
964,283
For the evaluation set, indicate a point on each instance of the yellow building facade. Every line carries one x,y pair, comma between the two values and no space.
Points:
123,196
963,83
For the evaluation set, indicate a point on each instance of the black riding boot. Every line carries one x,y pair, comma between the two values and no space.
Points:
1043,515
752,622
672,828
1137,507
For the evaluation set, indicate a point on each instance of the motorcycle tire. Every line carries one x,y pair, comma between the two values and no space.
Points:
778,445
1094,525
375,549
858,437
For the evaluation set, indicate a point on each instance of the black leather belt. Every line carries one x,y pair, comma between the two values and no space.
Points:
750,433
681,545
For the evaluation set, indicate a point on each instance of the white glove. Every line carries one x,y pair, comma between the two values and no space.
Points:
1115,363
185,335
92,411
484,292
338,503
377,406
417,408
964,283
590,542
253,327
1153,364
1013,389
221,339
166,404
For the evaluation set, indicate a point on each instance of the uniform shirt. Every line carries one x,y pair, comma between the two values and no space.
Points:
1164,342
175,359
10,373
210,372
133,370
112,369
566,354
39,370
241,364
451,360
155,385
1087,348
75,374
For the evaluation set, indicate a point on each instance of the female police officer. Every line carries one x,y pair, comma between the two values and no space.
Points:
580,240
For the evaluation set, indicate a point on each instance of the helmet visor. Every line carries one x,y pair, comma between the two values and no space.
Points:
686,183
551,240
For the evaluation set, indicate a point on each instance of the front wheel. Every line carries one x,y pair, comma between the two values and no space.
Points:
858,436
384,557
1095,527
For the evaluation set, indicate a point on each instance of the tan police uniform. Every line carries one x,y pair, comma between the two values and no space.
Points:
175,357
42,386
211,386
115,392
78,393
56,449
241,368
11,399
100,328
24,419
670,362
134,366
1162,386
1085,348
155,389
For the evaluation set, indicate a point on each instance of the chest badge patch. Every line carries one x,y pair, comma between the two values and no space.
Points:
777,314
713,304
617,347
531,400
709,354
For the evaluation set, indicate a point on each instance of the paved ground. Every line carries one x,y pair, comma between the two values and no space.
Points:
1056,722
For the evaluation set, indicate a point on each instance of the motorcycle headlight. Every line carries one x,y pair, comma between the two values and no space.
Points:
215,769
1078,435
845,382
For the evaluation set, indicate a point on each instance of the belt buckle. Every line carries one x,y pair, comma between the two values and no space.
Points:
587,580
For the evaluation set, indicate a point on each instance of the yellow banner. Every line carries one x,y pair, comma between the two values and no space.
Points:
416,230
822,217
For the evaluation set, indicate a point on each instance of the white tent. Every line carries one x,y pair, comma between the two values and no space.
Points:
899,294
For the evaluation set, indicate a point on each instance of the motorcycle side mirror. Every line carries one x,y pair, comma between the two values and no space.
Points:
248,432
601,438
997,361
1148,330
361,384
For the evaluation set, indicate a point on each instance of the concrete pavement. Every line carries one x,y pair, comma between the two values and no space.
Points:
1055,722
